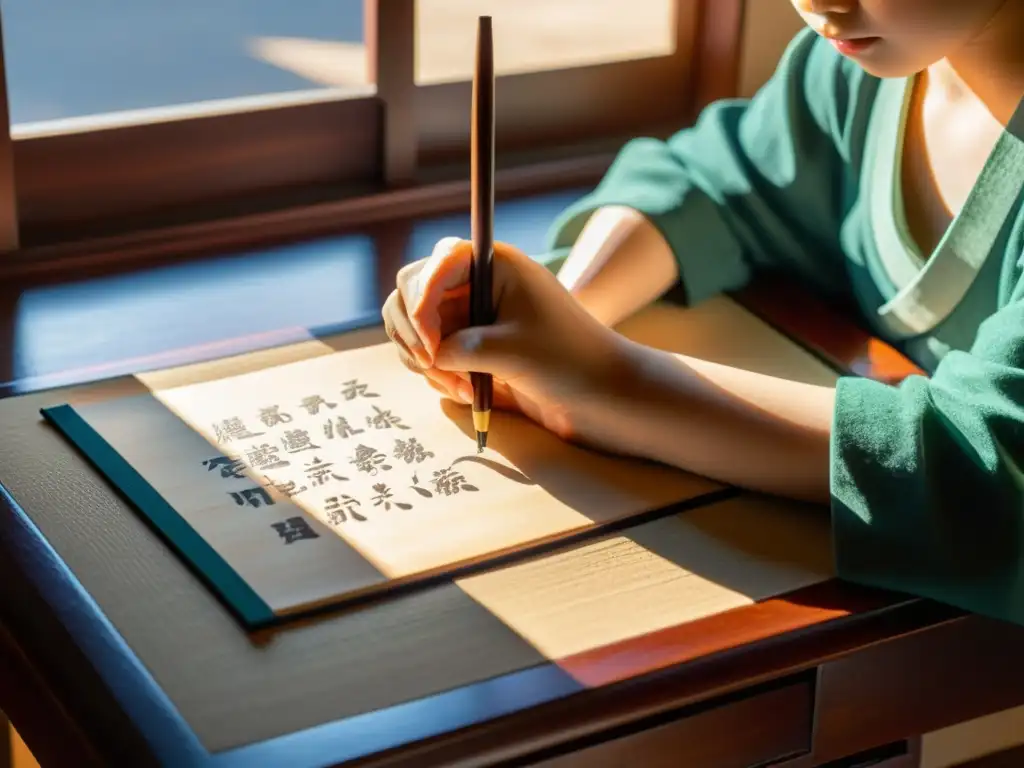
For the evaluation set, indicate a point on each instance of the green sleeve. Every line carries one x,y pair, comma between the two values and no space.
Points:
927,482
753,183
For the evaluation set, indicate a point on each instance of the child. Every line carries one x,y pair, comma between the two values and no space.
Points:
883,165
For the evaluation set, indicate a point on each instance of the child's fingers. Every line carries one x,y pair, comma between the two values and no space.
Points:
454,313
503,398
436,290
400,330
493,349
442,389
455,385
447,383
406,358
426,287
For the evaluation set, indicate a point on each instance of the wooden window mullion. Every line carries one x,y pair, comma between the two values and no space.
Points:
716,64
390,32
8,199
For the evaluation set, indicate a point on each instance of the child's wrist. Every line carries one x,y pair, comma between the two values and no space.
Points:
608,396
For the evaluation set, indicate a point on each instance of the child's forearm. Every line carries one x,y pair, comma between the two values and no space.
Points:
619,264
734,426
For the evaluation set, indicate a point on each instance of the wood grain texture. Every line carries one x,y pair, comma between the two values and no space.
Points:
199,239
970,739
1007,758
561,109
768,28
718,52
390,35
680,643
27,699
899,754
42,681
755,730
827,331
890,690
21,757
575,719
77,185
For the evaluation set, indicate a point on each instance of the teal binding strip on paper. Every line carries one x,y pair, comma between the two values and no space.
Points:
193,547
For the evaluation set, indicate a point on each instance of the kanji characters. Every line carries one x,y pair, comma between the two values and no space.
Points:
272,415
421,491
232,429
338,507
450,482
294,529
384,419
229,467
353,389
264,457
411,451
340,428
296,440
323,465
253,497
369,460
313,403
287,488
318,471
384,496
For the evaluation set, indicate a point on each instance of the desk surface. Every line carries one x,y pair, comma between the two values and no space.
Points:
118,648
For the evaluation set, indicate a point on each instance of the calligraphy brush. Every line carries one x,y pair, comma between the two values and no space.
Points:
481,281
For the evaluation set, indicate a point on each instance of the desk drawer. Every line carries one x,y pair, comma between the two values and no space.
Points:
743,732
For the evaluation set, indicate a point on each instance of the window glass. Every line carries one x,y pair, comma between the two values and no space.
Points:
77,58
535,35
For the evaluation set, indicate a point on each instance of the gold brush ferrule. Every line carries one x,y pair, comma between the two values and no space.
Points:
481,420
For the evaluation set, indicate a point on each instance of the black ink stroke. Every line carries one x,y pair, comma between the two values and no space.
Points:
512,474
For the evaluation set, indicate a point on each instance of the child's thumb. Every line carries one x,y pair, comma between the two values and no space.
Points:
483,349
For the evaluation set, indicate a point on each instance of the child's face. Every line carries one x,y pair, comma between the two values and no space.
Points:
898,38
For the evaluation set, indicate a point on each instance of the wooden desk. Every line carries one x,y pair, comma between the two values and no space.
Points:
801,679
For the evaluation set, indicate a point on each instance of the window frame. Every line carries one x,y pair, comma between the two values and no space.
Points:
214,176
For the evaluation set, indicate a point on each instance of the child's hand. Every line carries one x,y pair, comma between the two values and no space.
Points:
550,359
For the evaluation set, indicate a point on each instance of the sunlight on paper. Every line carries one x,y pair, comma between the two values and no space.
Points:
377,461
385,432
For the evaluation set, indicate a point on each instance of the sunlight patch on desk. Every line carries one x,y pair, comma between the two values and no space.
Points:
659,574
